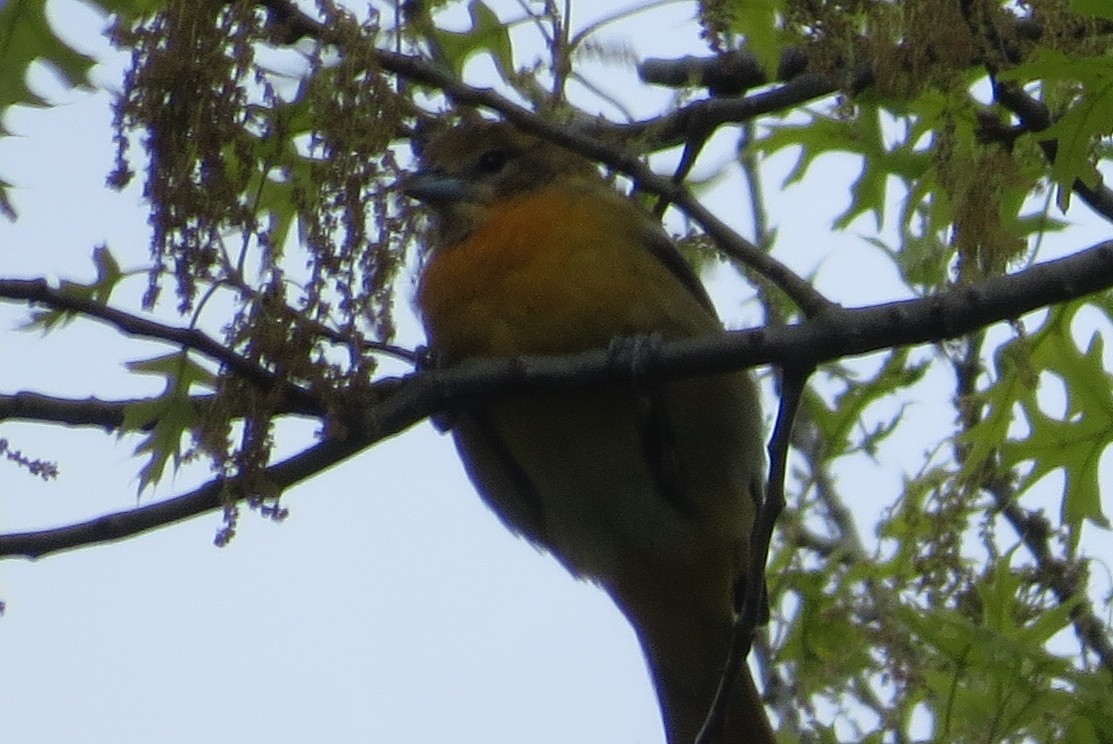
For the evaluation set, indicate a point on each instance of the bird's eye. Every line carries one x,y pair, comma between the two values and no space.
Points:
492,161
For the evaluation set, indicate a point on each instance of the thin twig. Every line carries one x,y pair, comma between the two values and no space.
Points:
106,414
1035,117
673,128
208,497
754,600
693,146
39,291
1061,576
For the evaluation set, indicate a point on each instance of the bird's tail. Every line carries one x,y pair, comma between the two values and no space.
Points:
686,668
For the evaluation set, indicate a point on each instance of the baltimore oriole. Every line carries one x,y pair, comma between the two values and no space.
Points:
649,490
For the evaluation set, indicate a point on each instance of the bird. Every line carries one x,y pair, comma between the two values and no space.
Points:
646,487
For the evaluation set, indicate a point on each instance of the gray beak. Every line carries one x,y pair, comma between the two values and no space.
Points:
437,189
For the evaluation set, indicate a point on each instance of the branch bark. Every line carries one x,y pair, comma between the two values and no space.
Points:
835,334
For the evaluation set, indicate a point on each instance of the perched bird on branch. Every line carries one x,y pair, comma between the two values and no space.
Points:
647,487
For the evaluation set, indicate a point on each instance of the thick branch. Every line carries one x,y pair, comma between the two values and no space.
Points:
835,334
28,406
706,115
726,74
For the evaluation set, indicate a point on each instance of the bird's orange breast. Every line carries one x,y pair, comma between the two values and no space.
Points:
555,271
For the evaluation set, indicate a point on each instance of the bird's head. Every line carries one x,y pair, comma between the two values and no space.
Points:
468,169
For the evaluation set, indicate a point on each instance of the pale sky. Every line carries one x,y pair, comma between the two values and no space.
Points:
391,606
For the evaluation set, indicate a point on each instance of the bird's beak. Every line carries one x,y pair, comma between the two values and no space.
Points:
437,189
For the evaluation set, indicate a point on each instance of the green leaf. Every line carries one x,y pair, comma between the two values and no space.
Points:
1093,720
990,681
1097,8
864,136
487,34
1089,116
758,21
279,171
178,368
99,290
1073,442
824,640
6,207
108,274
1075,131
839,420
26,37
923,260
167,418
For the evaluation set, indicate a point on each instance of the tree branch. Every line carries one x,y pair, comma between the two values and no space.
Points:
208,497
835,334
39,291
401,406
728,74
28,406
1035,118
107,414
708,114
